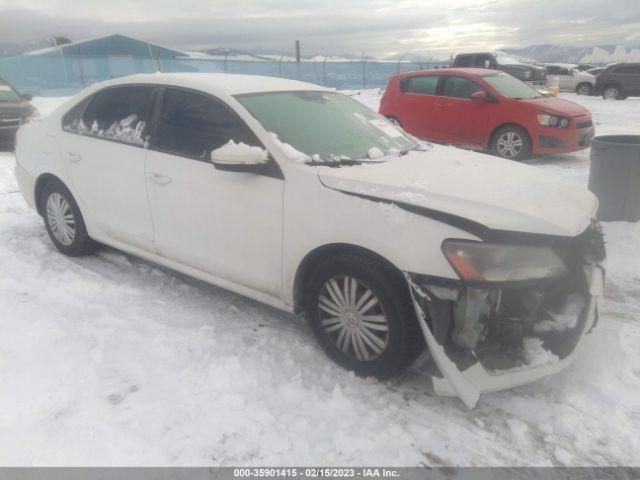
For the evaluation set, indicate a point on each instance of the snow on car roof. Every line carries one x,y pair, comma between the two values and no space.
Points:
218,83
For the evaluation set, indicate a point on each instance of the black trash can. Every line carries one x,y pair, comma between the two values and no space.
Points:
615,176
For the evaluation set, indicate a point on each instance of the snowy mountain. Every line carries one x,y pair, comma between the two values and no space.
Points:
596,54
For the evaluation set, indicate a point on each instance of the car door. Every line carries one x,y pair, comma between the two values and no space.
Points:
103,147
566,79
228,224
459,120
553,76
417,103
630,79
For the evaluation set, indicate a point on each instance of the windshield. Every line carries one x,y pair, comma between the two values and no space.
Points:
7,94
511,87
325,125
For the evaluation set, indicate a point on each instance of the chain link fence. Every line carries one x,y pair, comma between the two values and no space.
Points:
57,75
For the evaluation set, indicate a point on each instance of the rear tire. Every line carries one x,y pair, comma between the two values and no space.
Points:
63,220
511,142
362,315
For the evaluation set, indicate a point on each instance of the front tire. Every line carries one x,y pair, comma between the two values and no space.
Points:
612,93
511,142
63,220
362,315
584,89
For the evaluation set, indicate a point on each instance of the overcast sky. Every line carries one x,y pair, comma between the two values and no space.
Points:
375,27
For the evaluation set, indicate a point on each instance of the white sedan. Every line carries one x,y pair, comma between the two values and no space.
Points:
300,197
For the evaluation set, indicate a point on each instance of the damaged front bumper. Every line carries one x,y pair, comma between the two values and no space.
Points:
468,372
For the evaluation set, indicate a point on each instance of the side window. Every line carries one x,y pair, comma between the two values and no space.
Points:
459,87
72,121
120,114
482,61
464,61
425,85
553,70
193,125
627,70
565,71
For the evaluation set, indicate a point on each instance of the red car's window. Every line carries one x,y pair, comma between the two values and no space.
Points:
425,85
459,87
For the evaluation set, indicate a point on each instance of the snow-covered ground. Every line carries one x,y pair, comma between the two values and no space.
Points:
108,360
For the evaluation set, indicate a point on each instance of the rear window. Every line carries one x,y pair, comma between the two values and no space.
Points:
464,61
425,85
120,114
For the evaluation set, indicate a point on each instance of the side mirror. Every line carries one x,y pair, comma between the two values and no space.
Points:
240,157
27,96
478,97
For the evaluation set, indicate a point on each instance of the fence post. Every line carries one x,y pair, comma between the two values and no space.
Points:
280,66
81,71
364,72
226,54
398,66
324,71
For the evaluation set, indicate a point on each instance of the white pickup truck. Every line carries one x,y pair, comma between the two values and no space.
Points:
568,78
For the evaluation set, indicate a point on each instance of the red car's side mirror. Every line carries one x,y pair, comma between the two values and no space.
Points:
478,97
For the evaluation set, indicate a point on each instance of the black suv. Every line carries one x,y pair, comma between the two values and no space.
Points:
619,81
14,110
531,74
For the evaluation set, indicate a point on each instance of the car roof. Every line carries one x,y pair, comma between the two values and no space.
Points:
623,64
220,84
481,72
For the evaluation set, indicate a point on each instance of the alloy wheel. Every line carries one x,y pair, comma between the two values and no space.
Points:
509,144
611,93
60,219
583,90
351,315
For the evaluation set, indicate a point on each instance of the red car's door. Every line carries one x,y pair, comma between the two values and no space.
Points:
416,105
459,120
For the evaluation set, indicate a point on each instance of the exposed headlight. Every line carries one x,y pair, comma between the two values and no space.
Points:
552,121
486,262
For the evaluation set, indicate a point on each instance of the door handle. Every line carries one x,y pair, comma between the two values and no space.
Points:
73,157
159,179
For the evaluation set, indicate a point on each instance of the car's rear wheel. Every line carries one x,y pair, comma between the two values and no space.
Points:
584,89
612,93
511,142
63,220
362,315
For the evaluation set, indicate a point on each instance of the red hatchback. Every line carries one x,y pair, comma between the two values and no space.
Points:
485,109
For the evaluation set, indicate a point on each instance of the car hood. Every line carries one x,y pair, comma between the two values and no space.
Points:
18,109
498,194
558,106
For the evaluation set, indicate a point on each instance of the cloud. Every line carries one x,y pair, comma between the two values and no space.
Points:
376,27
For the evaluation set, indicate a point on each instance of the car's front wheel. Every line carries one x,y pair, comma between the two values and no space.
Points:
612,93
584,89
63,220
511,142
362,316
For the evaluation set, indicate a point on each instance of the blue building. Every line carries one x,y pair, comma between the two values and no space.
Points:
75,65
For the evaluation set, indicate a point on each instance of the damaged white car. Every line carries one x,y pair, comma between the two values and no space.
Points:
302,198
